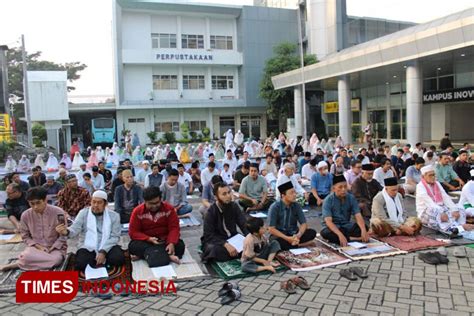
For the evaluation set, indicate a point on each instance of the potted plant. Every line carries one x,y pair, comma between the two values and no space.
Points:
185,130
152,136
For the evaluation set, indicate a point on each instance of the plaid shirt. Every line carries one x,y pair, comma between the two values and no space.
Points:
72,201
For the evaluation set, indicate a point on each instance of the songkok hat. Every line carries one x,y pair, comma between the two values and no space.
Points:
50,177
100,194
285,187
368,167
322,164
426,169
70,176
338,178
392,181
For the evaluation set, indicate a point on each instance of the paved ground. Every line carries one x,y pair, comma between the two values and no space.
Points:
399,285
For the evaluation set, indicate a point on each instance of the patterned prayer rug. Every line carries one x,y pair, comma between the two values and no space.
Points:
413,243
372,249
231,269
319,257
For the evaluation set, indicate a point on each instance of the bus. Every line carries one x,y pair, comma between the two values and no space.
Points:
103,131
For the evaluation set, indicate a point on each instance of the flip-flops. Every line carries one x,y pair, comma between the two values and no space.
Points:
230,296
348,274
359,272
433,258
288,286
228,286
460,252
300,282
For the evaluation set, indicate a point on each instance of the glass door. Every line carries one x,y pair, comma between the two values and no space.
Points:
378,119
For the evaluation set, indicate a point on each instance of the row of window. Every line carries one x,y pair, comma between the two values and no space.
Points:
192,82
164,127
190,41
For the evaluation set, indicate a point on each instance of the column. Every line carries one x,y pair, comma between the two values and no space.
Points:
414,103
388,116
345,114
178,32
211,124
207,36
298,111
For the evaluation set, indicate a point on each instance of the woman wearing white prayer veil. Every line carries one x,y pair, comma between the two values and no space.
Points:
67,160
305,144
10,164
77,161
178,150
313,140
114,148
329,149
339,142
99,153
239,138
39,161
248,148
24,164
52,164
228,138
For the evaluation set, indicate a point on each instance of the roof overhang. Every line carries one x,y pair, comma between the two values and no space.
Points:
439,36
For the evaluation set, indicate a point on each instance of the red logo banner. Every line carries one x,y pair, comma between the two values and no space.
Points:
47,286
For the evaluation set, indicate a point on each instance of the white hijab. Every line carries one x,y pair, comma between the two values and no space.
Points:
52,163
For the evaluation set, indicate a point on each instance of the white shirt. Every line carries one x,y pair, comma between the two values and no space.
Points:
232,163
185,179
227,176
241,161
424,203
99,183
141,176
307,172
206,175
467,194
380,175
284,179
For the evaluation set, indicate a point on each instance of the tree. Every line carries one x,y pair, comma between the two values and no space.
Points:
15,76
39,134
285,59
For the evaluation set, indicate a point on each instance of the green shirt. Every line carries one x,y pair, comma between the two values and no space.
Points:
253,188
445,173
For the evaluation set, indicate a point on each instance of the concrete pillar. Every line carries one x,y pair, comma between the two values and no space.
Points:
298,111
414,103
345,114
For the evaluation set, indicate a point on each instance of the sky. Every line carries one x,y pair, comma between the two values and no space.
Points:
81,30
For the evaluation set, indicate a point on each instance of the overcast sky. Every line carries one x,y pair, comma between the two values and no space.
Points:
80,30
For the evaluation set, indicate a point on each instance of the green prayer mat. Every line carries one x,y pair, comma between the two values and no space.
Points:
231,270
470,246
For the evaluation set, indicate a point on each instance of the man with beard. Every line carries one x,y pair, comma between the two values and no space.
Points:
220,224
101,229
365,188
154,231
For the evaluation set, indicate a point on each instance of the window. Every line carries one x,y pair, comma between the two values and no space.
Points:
221,42
136,120
163,127
191,82
192,41
165,82
226,123
104,123
398,118
196,125
160,40
222,82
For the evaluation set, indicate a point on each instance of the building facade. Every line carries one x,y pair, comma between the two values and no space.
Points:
194,63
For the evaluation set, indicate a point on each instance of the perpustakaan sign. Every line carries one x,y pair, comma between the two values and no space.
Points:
453,95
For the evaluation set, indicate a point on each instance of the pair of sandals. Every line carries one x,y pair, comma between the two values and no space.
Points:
433,257
352,273
290,285
229,292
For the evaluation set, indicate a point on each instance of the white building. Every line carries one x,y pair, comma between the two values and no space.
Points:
194,63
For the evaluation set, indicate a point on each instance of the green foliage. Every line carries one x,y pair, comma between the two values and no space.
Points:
184,130
15,77
6,149
152,136
193,135
183,141
169,137
285,59
125,132
206,131
39,134
206,139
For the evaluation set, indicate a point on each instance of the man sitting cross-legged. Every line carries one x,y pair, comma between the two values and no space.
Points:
45,247
284,217
253,192
101,229
389,215
154,231
221,222
338,208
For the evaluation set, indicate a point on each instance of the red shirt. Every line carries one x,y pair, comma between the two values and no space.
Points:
164,224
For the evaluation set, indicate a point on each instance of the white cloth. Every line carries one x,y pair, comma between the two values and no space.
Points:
307,172
393,204
283,178
52,163
206,175
228,139
90,240
78,160
239,138
380,175
467,196
227,176
425,204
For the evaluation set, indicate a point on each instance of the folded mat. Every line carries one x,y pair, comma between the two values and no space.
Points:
189,221
373,249
231,269
188,269
413,243
16,238
319,257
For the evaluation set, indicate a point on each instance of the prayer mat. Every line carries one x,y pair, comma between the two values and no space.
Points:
16,238
189,221
8,278
412,243
319,257
231,269
189,269
437,235
372,249
470,246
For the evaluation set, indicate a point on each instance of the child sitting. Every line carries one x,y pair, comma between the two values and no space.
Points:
257,249
226,174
